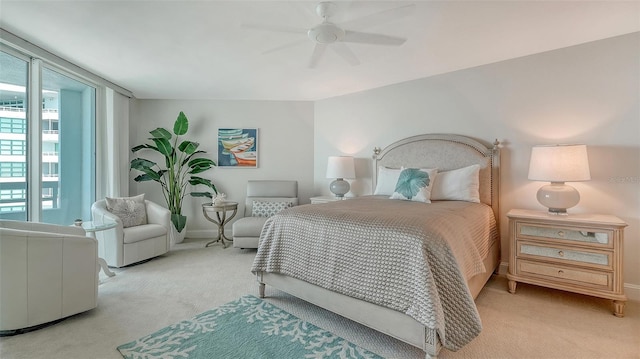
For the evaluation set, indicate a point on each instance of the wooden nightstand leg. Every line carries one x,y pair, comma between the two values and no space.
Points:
618,308
512,286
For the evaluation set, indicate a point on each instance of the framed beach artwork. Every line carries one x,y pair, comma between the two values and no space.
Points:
238,147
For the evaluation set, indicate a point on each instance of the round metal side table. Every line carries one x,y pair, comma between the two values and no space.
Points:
220,218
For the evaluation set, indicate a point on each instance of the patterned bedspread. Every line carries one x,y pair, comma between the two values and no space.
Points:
408,256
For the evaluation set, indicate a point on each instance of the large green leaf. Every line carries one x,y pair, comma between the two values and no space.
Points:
143,178
195,180
139,147
139,163
202,162
202,194
150,173
188,147
188,158
181,126
161,133
410,181
164,146
179,221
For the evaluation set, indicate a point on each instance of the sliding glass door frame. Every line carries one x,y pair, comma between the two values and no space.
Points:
34,132
34,141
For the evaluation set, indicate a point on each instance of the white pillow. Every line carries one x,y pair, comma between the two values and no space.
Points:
414,184
457,185
131,210
268,208
387,179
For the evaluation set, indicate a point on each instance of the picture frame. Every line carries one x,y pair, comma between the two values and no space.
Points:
238,147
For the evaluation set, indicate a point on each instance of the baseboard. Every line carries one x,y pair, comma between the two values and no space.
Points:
503,269
631,290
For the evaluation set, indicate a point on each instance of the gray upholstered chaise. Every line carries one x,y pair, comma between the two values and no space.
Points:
246,231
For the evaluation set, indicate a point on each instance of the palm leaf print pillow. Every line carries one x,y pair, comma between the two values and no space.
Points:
415,184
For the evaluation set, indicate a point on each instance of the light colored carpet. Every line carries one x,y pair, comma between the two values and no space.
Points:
534,323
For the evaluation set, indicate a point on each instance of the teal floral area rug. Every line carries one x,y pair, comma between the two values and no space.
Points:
246,328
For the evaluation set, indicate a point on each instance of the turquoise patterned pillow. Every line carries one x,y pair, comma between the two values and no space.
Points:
268,208
415,184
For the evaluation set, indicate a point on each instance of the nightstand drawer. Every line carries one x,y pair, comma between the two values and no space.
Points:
595,258
599,238
558,273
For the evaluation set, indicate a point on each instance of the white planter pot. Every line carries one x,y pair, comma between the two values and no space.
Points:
177,237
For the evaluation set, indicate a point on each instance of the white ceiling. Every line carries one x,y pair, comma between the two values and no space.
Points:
200,50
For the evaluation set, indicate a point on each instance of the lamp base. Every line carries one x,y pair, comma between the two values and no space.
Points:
339,187
558,196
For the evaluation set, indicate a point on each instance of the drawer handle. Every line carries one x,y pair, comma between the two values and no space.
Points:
561,253
560,272
560,233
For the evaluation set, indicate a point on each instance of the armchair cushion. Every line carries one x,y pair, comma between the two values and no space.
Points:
143,232
248,226
131,210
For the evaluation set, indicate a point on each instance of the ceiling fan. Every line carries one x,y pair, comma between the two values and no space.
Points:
334,36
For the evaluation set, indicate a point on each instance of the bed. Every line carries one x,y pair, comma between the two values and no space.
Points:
412,276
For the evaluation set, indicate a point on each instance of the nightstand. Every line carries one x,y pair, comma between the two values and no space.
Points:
580,253
325,199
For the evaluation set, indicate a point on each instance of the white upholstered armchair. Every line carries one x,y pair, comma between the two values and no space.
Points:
266,194
47,272
122,246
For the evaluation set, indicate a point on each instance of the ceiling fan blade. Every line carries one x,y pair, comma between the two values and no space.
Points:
275,28
373,39
380,17
286,46
318,51
345,52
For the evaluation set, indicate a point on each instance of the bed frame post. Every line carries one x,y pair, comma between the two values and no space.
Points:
261,290
495,181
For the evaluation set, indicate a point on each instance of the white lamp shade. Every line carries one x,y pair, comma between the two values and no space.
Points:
341,167
559,163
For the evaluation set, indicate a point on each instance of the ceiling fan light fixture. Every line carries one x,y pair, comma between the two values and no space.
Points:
326,33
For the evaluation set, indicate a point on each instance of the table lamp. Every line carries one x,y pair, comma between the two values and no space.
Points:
559,164
340,167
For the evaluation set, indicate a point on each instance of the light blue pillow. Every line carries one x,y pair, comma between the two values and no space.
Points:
414,184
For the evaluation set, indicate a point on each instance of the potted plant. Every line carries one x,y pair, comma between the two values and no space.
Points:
182,163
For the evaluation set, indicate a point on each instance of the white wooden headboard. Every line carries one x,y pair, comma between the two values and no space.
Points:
445,152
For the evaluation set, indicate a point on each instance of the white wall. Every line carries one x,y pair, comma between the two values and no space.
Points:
582,94
285,134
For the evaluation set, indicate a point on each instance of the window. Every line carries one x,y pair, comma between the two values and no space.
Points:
12,125
13,147
12,169
53,135
13,129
